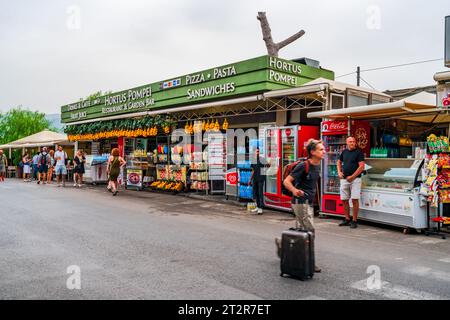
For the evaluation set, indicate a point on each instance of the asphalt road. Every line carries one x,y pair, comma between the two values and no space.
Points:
142,245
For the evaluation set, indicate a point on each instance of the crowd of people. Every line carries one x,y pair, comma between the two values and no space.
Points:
44,165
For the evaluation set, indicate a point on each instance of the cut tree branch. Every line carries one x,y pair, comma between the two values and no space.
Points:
272,47
291,39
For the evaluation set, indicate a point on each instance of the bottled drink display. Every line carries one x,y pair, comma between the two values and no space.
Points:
334,145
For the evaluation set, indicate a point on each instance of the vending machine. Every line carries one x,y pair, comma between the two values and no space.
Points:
334,136
283,145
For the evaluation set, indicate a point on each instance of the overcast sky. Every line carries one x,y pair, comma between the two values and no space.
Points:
55,52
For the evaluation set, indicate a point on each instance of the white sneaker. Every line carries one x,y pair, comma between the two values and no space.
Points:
260,211
75,185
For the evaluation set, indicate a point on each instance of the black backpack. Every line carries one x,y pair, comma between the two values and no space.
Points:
44,159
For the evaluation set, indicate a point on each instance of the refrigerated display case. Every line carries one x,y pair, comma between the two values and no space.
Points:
284,145
95,169
390,193
334,135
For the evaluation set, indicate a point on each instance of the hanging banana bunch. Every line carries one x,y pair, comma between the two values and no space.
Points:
225,124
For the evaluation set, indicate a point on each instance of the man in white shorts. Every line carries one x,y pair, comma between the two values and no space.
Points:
60,168
350,166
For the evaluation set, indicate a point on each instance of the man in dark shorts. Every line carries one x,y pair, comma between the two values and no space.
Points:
350,166
43,163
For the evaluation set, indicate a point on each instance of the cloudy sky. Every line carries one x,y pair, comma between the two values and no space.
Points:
55,52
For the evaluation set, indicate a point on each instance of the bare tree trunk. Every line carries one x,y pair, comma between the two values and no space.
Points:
272,47
267,35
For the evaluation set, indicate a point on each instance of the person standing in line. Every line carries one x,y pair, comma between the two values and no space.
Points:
51,166
115,163
302,182
350,167
35,162
78,170
3,165
26,167
43,164
258,180
60,168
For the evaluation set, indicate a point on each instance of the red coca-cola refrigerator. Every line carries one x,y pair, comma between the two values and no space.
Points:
334,135
283,145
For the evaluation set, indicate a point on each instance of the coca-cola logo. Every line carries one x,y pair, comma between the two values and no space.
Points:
337,126
334,126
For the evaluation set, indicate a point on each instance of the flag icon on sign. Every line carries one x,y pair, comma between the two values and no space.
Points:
171,84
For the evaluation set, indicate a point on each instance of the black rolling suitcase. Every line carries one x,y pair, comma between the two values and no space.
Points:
297,253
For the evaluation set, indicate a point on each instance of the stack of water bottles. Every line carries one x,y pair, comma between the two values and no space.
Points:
244,164
379,153
244,177
245,192
245,174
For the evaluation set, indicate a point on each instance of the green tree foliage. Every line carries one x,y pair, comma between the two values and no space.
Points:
18,123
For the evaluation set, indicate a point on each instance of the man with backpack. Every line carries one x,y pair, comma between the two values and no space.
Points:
302,183
43,163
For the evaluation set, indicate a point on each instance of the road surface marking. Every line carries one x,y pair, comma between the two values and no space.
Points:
427,272
423,240
396,292
446,260
313,297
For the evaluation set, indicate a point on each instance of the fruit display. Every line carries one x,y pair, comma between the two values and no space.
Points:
436,174
437,144
199,165
444,196
162,172
444,220
199,176
202,126
166,185
177,173
145,132
139,153
199,185
444,160
225,125
430,185
443,180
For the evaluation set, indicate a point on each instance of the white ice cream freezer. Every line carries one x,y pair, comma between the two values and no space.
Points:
95,169
390,193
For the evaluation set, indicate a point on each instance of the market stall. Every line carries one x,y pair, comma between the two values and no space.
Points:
35,142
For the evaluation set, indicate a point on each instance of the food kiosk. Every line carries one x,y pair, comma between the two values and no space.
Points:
390,191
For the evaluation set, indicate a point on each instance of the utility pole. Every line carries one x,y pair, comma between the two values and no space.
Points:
358,76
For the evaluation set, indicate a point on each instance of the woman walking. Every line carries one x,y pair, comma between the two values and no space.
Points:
115,163
26,167
51,166
3,165
78,170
